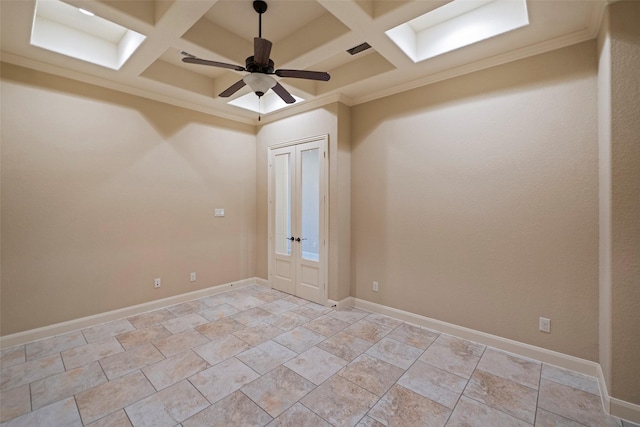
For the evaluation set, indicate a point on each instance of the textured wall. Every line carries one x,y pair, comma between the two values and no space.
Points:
102,192
475,200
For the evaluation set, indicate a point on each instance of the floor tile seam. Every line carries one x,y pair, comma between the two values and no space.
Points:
535,415
500,410
320,416
537,390
468,381
564,417
566,385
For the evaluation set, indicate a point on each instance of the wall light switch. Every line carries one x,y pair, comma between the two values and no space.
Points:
219,212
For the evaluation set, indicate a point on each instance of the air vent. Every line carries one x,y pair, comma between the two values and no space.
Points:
360,48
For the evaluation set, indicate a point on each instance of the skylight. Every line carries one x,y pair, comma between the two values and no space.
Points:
458,24
269,103
67,30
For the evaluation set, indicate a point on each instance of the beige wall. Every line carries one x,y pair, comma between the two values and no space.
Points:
475,200
322,121
619,105
102,192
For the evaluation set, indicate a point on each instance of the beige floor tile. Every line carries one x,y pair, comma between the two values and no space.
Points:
368,331
183,323
220,328
311,310
316,365
298,416
279,306
294,299
131,360
345,346
152,318
266,356
257,334
299,339
234,410
115,419
246,302
571,379
66,384
397,353
402,407
176,368
104,399
414,335
339,401
253,316
221,349
180,342
218,299
548,419
14,402
574,404
287,320
382,320
13,356
188,307
269,295
139,337
504,395
508,366
367,421
372,374
349,315
326,325
218,312
460,346
63,413
469,413
79,356
276,391
167,407
451,360
33,370
433,383
221,380
107,330
51,346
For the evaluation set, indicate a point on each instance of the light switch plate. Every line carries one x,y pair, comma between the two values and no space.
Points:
219,212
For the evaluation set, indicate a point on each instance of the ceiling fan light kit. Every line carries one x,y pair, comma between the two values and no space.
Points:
261,67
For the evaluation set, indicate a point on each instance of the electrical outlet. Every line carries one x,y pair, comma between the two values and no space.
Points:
544,325
375,286
156,283
192,277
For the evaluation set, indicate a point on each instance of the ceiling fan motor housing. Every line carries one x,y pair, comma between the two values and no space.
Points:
252,67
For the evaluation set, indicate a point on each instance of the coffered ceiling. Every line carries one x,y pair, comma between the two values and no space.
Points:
306,34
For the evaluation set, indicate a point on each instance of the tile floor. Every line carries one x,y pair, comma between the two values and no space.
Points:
255,357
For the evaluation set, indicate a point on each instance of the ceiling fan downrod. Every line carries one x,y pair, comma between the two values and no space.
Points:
260,6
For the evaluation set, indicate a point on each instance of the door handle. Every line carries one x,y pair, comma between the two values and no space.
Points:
298,239
290,238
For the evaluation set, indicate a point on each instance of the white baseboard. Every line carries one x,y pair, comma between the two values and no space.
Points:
262,282
97,319
616,407
342,304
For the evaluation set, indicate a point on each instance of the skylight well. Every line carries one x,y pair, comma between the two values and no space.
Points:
67,30
458,24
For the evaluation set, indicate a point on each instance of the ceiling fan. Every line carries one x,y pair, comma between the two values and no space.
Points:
260,67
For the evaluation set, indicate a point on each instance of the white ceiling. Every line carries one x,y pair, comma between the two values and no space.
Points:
306,34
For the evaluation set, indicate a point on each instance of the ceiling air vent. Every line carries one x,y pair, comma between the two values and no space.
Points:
360,48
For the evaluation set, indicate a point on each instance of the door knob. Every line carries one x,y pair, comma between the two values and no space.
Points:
290,238
298,239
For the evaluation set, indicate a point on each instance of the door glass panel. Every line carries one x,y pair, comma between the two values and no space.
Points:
310,215
282,171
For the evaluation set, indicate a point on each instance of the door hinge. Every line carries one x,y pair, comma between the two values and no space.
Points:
324,154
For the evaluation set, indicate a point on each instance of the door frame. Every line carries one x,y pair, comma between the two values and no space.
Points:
324,251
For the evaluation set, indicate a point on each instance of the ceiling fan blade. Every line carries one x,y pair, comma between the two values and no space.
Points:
233,89
193,60
261,50
283,93
303,74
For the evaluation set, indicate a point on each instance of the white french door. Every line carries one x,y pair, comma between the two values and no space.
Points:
297,219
